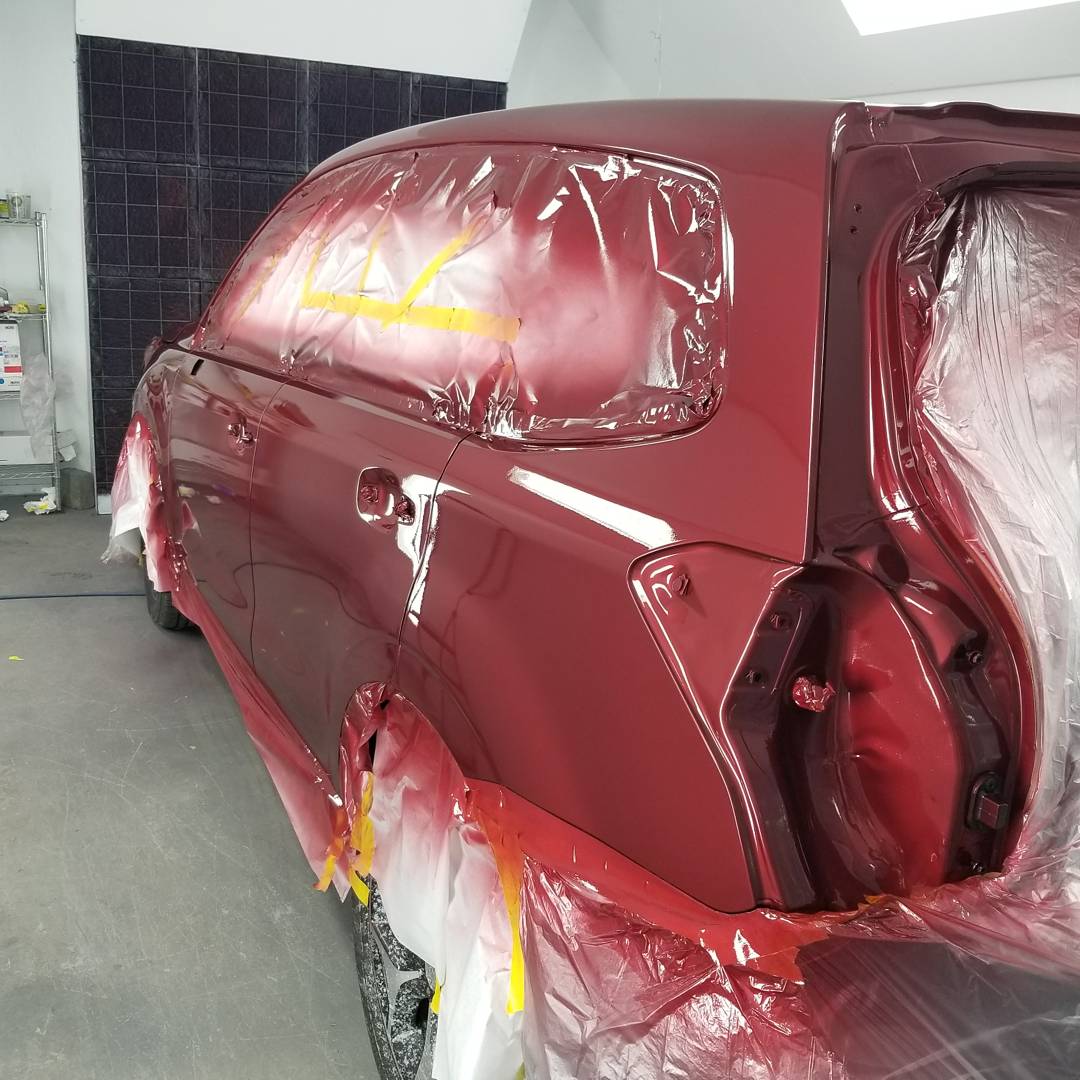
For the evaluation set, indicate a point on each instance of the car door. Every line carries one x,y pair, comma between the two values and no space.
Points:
342,290
215,409
341,508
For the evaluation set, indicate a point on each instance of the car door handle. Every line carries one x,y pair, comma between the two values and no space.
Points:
380,500
238,430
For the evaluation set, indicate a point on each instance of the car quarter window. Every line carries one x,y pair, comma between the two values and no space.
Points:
526,292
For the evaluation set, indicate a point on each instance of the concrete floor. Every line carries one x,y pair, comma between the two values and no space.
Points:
156,914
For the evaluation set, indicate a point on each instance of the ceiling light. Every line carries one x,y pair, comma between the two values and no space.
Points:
883,16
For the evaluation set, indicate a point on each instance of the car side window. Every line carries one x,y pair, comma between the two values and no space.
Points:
530,293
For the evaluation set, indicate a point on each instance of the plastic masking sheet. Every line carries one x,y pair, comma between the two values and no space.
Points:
976,979
36,397
474,287
315,809
980,978
999,397
138,525
440,884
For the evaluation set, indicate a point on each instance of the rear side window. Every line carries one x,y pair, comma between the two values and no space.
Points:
529,293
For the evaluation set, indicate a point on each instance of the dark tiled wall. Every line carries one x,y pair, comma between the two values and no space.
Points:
184,151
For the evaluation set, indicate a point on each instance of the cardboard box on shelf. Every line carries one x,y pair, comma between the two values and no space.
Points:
11,371
15,448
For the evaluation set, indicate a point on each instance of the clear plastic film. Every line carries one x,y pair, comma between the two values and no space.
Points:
440,885
474,287
946,983
138,528
998,400
36,396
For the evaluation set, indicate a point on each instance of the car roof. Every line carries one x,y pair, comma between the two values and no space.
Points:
782,139
773,136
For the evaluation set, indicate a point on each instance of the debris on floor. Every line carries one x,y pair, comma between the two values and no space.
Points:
45,505
4,515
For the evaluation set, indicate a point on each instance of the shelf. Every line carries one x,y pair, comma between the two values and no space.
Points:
32,476
10,474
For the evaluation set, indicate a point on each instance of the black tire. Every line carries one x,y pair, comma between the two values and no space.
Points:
160,606
396,987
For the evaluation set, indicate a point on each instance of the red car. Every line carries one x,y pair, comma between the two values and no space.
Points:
595,435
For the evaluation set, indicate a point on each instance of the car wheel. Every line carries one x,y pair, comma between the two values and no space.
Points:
396,987
161,608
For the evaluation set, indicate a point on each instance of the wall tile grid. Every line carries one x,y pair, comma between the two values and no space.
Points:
184,151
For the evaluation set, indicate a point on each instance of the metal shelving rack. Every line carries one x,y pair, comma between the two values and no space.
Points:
35,477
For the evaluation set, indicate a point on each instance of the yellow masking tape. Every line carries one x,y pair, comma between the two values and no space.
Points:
359,886
427,275
328,873
405,311
309,278
515,1000
362,839
461,320
376,240
436,998
511,887
260,281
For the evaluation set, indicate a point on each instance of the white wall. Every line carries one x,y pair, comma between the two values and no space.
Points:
1044,95
475,39
587,51
39,155
573,50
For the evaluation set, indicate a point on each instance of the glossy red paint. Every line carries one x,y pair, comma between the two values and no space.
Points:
522,619
334,558
612,633
214,412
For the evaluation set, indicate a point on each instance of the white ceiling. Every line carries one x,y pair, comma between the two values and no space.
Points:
574,50
886,16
